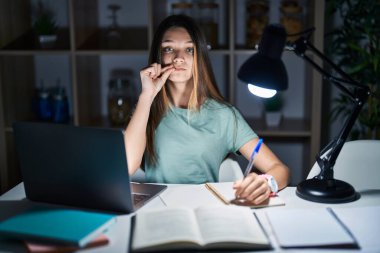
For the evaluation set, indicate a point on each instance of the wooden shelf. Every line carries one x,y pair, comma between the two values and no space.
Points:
102,121
288,128
100,52
28,42
135,38
219,52
9,129
33,52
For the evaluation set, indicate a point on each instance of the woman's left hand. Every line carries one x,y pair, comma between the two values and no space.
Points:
252,188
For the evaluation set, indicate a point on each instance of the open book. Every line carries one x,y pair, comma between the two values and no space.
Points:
225,193
212,227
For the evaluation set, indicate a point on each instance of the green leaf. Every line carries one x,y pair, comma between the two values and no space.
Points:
355,46
274,103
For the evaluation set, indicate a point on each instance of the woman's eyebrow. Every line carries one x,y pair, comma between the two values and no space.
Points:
168,40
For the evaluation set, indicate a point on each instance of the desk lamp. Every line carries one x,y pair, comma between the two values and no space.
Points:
265,74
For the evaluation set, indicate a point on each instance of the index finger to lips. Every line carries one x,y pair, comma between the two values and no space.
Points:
158,70
167,67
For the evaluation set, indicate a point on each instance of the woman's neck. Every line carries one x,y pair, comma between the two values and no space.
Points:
180,94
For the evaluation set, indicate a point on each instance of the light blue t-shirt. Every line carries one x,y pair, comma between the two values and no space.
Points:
191,146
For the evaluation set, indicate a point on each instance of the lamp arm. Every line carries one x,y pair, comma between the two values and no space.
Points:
359,96
327,162
348,79
302,44
330,77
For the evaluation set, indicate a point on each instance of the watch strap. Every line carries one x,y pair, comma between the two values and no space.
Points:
271,183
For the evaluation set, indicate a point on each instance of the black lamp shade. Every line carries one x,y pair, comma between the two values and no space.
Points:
264,72
266,69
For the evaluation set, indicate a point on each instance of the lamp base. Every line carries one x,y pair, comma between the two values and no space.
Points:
326,191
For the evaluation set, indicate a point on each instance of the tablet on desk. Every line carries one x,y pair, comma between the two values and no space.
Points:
78,166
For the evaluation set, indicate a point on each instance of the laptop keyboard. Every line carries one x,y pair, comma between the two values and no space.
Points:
138,197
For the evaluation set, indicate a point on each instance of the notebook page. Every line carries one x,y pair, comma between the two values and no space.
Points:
191,196
317,227
364,223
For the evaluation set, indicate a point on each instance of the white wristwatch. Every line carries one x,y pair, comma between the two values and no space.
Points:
271,182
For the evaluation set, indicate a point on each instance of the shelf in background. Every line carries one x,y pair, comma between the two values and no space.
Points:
101,121
289,127
28,42
9,129
219,51
242,51
33,52
134,38
118,52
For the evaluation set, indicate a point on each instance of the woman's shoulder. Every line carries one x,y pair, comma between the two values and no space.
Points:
212,104
221,108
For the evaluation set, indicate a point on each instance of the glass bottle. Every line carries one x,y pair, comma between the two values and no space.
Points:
43,103
113,32
120,99
207,16
182,7
60,106
257,12
292,18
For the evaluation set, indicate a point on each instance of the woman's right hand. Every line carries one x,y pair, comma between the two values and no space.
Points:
153,78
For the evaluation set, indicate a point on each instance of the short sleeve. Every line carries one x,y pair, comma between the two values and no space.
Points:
239,132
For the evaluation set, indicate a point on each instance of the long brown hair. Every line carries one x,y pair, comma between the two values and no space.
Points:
203,76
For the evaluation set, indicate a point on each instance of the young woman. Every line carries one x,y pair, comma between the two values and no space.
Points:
182,128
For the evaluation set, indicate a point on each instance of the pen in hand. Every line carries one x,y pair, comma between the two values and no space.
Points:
254,153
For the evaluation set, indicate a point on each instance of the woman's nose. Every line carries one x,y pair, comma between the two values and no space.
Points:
178,58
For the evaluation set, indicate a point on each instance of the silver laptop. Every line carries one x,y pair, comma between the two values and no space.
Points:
78,166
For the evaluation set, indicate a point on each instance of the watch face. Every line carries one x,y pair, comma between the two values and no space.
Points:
272,184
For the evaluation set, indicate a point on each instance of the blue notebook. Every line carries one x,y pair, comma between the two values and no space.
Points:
62,226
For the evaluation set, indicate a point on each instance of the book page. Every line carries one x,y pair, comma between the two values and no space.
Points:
226,194
315,227
230,224
164,226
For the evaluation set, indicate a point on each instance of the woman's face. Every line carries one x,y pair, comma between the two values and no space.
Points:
178,49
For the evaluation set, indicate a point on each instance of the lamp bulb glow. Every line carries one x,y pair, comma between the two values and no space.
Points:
261,92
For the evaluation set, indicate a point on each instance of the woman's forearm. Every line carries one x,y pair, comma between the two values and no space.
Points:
135,134
281,173
267,162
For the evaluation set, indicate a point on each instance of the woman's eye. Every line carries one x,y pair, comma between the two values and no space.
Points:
167,49
190,50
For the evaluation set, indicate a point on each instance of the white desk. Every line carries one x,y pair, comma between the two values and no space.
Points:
14,201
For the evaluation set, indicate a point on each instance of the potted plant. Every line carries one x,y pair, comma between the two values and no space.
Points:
273,113
355,46
45,25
